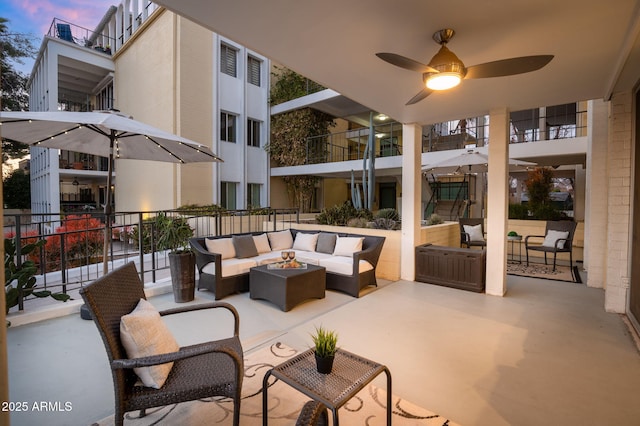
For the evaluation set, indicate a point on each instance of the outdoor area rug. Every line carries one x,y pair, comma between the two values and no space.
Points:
538,270
368,408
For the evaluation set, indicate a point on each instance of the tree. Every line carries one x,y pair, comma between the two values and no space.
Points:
17,190
539,184
14,97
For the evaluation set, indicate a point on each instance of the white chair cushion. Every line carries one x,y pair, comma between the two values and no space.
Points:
262,243
306,242
344,265
280,240
346,246
266,258
143,333
223,246
552,236
312,257
474,231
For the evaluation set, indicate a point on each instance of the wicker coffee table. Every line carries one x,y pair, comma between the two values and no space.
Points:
350,374
287,287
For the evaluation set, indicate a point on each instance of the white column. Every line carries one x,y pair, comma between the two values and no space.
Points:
497,202
411,191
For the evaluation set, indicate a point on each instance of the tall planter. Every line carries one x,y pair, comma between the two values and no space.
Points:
183,276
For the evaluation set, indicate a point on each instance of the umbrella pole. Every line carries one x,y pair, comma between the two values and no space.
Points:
107,208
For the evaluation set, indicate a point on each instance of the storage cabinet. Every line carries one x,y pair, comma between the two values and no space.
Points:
451,267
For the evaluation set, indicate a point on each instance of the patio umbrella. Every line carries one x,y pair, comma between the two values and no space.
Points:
104,133
471,161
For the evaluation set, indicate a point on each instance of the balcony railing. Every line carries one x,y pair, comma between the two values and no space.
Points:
72,255
560,122
81,36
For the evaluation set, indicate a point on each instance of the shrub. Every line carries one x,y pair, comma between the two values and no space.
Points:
339,215
385,223
434,219
357,222
518,211
388,214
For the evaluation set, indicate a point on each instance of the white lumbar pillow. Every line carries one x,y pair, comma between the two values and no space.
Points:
223,246
475,232
552,236
346,246
306,242
143,333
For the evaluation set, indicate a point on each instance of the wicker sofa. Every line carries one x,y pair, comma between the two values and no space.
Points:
349,267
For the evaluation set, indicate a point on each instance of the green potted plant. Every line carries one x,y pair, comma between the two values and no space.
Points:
174,234
325,349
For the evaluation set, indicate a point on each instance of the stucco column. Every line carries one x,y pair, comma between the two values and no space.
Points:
411,191
497,202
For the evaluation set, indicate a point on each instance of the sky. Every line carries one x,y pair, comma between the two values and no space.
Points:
34,17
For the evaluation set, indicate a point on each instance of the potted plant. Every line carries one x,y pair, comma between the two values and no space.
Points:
174,234
325,349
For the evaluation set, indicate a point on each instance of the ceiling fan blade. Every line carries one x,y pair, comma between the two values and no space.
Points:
420,96
404,62
507,67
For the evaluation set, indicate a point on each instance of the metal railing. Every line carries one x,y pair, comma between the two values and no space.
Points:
73,253
81,36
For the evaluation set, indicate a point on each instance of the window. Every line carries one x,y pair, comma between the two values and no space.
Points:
253,70
228,195
104,99
228,60
253,195
253,132
228,127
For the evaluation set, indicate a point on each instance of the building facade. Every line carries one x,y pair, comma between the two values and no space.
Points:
168,72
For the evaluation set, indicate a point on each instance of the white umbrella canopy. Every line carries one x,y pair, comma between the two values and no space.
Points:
471,161
91,132
104,133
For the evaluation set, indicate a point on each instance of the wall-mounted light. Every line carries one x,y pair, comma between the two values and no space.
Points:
75,182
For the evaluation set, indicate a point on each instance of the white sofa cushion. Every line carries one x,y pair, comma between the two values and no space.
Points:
143,333
312,257
280,240
344,265
223,246
266,258
231,267
262,243
306,242
346,246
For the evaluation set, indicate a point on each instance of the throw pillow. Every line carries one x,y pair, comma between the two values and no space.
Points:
143,333
306,242
244,245
280,240
475,232
552,236
262,243
326,243
223,246
346,246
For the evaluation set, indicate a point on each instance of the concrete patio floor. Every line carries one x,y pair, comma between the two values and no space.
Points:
546,353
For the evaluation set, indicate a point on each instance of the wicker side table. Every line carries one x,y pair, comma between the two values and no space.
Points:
350,374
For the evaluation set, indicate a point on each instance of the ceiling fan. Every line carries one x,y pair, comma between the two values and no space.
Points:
445,70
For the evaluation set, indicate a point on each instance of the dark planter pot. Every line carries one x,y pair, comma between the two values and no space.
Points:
324,364
183,276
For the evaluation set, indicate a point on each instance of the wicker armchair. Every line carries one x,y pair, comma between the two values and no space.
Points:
199,371
559,245
465,238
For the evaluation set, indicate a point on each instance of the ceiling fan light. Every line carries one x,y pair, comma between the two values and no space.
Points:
443,80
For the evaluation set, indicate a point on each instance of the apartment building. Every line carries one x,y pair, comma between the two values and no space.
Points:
166,71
